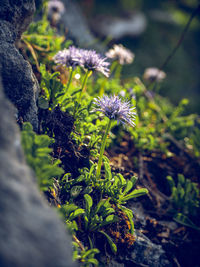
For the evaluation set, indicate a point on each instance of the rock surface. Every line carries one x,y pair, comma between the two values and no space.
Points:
30,232
19,82
77,26
146,253
118,27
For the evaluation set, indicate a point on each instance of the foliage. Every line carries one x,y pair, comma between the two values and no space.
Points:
51,87
95,217
42,41
37,152
91,202
185,199
85,256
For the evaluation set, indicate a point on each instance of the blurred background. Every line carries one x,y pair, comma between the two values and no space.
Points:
151,30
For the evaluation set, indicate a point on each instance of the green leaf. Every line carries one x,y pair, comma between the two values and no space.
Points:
184,220
89,252
75,191
128,187
110,241
76,213
134,179
68,208
102,203
108,173
109,219
171,181
129,214
121,179
135,193
88,204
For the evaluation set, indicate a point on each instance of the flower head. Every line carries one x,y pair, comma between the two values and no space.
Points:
122,54
91,60
55,6
154,74
114,108
68,57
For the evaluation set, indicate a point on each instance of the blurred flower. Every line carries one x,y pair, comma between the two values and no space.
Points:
114,108
55,6
120,53
68,57
154,74
122,93
131,92
91,60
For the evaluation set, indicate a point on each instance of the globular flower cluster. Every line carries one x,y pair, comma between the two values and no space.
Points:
121,54
154,74
55,6
88,59
114,108
68,57
93,61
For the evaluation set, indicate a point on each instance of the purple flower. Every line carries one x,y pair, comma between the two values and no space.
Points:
91,60
55,6
68,57
114,108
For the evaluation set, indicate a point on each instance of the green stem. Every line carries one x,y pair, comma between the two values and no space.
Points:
101,91
118,71
113,66
68,84
103,148
87,74
70,79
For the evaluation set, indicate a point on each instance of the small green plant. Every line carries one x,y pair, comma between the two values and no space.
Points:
42,41
118,188
85,256
37,152
94,218
185,199
52,89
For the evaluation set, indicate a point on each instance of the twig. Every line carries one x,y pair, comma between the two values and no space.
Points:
78,242
194,13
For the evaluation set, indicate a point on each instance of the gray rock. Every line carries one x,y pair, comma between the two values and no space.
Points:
146,253
118,27
19,82
77,26
30,232
19,13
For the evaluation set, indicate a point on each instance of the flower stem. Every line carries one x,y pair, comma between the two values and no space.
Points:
113,66
118,71
103,148
70,79
83,88
68,83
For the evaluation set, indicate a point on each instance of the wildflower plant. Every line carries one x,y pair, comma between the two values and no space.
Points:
92,200
121,56
184,200
114,109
